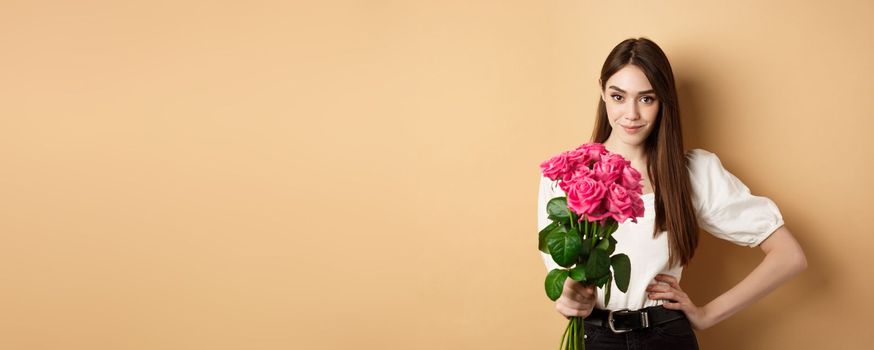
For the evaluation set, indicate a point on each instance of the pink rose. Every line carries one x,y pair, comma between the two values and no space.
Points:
636,207
577,158
578,174
601,214
620,203
565,185
609,169
630,179
589,153
555,167
585,197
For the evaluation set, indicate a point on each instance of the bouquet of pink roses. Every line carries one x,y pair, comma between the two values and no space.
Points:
603,190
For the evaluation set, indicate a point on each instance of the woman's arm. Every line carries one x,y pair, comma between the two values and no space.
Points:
783,260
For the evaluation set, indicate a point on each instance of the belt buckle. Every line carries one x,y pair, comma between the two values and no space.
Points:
610,321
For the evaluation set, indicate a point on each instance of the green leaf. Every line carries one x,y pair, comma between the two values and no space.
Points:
555,283
607,290
564,246
607,244
603,244
564,220
578,273
541,244
598,264
622,269
600,281
557,206
557,209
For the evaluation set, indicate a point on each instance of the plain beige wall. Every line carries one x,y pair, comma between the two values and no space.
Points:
363,174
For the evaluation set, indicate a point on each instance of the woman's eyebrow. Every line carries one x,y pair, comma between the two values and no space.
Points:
639,93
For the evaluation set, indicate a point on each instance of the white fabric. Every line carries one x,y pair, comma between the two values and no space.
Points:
724,207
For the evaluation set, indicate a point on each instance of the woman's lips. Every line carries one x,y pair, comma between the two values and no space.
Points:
633,130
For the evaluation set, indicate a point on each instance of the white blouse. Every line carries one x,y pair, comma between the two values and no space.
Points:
724,207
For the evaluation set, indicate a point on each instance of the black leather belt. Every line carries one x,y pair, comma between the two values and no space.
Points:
624,320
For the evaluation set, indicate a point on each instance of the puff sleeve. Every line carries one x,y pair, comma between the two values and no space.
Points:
546,193
724,205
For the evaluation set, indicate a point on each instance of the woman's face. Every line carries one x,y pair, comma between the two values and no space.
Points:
631,104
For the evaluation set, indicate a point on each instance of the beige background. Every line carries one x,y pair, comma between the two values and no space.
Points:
363,174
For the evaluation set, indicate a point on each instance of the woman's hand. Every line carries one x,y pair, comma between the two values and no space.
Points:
676,299
576,299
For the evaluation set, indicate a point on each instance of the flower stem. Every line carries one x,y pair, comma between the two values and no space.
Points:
576,331
566,331
594,235
570,339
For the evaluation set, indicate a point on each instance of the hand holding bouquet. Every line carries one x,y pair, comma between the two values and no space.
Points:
603,190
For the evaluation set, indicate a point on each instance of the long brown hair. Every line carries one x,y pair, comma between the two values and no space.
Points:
666,161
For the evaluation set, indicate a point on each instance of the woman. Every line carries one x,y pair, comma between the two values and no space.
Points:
638,118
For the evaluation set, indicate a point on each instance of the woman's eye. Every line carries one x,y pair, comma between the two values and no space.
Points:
648,99
615,97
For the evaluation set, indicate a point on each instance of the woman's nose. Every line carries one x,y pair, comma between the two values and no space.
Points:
633,113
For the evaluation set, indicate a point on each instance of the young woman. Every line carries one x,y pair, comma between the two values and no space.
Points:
639,118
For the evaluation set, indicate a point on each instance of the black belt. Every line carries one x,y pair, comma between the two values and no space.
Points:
624,320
